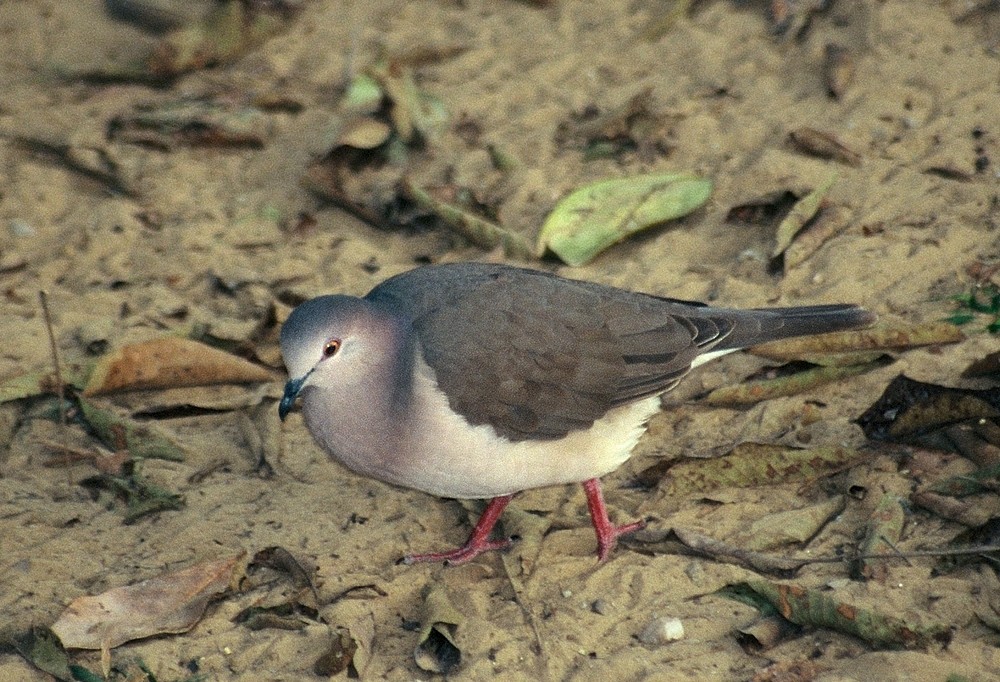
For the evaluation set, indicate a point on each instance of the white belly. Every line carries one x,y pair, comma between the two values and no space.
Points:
451,459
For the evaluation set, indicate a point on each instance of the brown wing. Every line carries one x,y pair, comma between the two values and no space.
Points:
537,356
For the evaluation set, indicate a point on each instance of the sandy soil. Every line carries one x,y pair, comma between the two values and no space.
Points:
205,239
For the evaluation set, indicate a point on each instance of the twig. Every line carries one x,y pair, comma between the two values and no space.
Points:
43,298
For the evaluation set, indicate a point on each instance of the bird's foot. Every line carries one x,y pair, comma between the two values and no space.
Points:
607,532
478,542
467,552
607,536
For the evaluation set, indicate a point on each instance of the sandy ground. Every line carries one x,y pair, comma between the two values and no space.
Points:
206,240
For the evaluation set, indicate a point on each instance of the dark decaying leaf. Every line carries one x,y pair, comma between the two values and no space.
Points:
633,126
169,603
988,365
882,531
812,608
436,649
757,464
763,210
291,597
96,162
909,408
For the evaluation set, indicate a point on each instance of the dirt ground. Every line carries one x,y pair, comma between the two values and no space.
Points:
211,237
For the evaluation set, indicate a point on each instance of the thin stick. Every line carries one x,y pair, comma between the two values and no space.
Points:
43,297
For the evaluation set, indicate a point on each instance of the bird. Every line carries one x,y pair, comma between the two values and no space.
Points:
480,380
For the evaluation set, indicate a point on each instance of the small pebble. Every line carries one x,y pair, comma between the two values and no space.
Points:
662,630
19,228
600,607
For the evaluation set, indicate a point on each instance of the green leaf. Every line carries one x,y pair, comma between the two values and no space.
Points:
595,216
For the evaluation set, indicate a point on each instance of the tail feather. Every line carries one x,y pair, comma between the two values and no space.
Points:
753,327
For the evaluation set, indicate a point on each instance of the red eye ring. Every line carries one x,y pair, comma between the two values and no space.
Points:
331,348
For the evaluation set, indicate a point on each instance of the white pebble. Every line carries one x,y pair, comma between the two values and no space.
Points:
662,630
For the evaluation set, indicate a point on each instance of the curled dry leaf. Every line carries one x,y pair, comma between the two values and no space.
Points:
802,212
169,603
830,222
595,216
436,649
170,362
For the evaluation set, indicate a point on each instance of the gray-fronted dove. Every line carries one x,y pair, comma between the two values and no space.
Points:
475,380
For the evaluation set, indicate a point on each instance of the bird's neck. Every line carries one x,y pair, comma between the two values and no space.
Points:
364,426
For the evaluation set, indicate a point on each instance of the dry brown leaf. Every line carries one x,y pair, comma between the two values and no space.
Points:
169,603
170,362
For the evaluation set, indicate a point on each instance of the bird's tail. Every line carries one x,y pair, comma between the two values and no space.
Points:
762,325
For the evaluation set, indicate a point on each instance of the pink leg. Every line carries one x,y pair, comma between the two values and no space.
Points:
478,542
607,532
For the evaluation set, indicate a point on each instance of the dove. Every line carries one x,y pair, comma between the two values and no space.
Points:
479,381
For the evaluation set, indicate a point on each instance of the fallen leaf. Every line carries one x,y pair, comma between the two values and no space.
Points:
478,230
812,608
690,542
884,336
436,650
802,212
595,216
170,362
883,530
909,408
791,526
192,121
118,432
824,145
169,603
756,464
786,384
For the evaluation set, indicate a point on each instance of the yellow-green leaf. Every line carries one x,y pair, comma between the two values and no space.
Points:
596,216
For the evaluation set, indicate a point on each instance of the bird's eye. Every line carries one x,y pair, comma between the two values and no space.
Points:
331,348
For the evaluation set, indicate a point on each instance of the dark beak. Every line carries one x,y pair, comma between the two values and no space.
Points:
292,389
